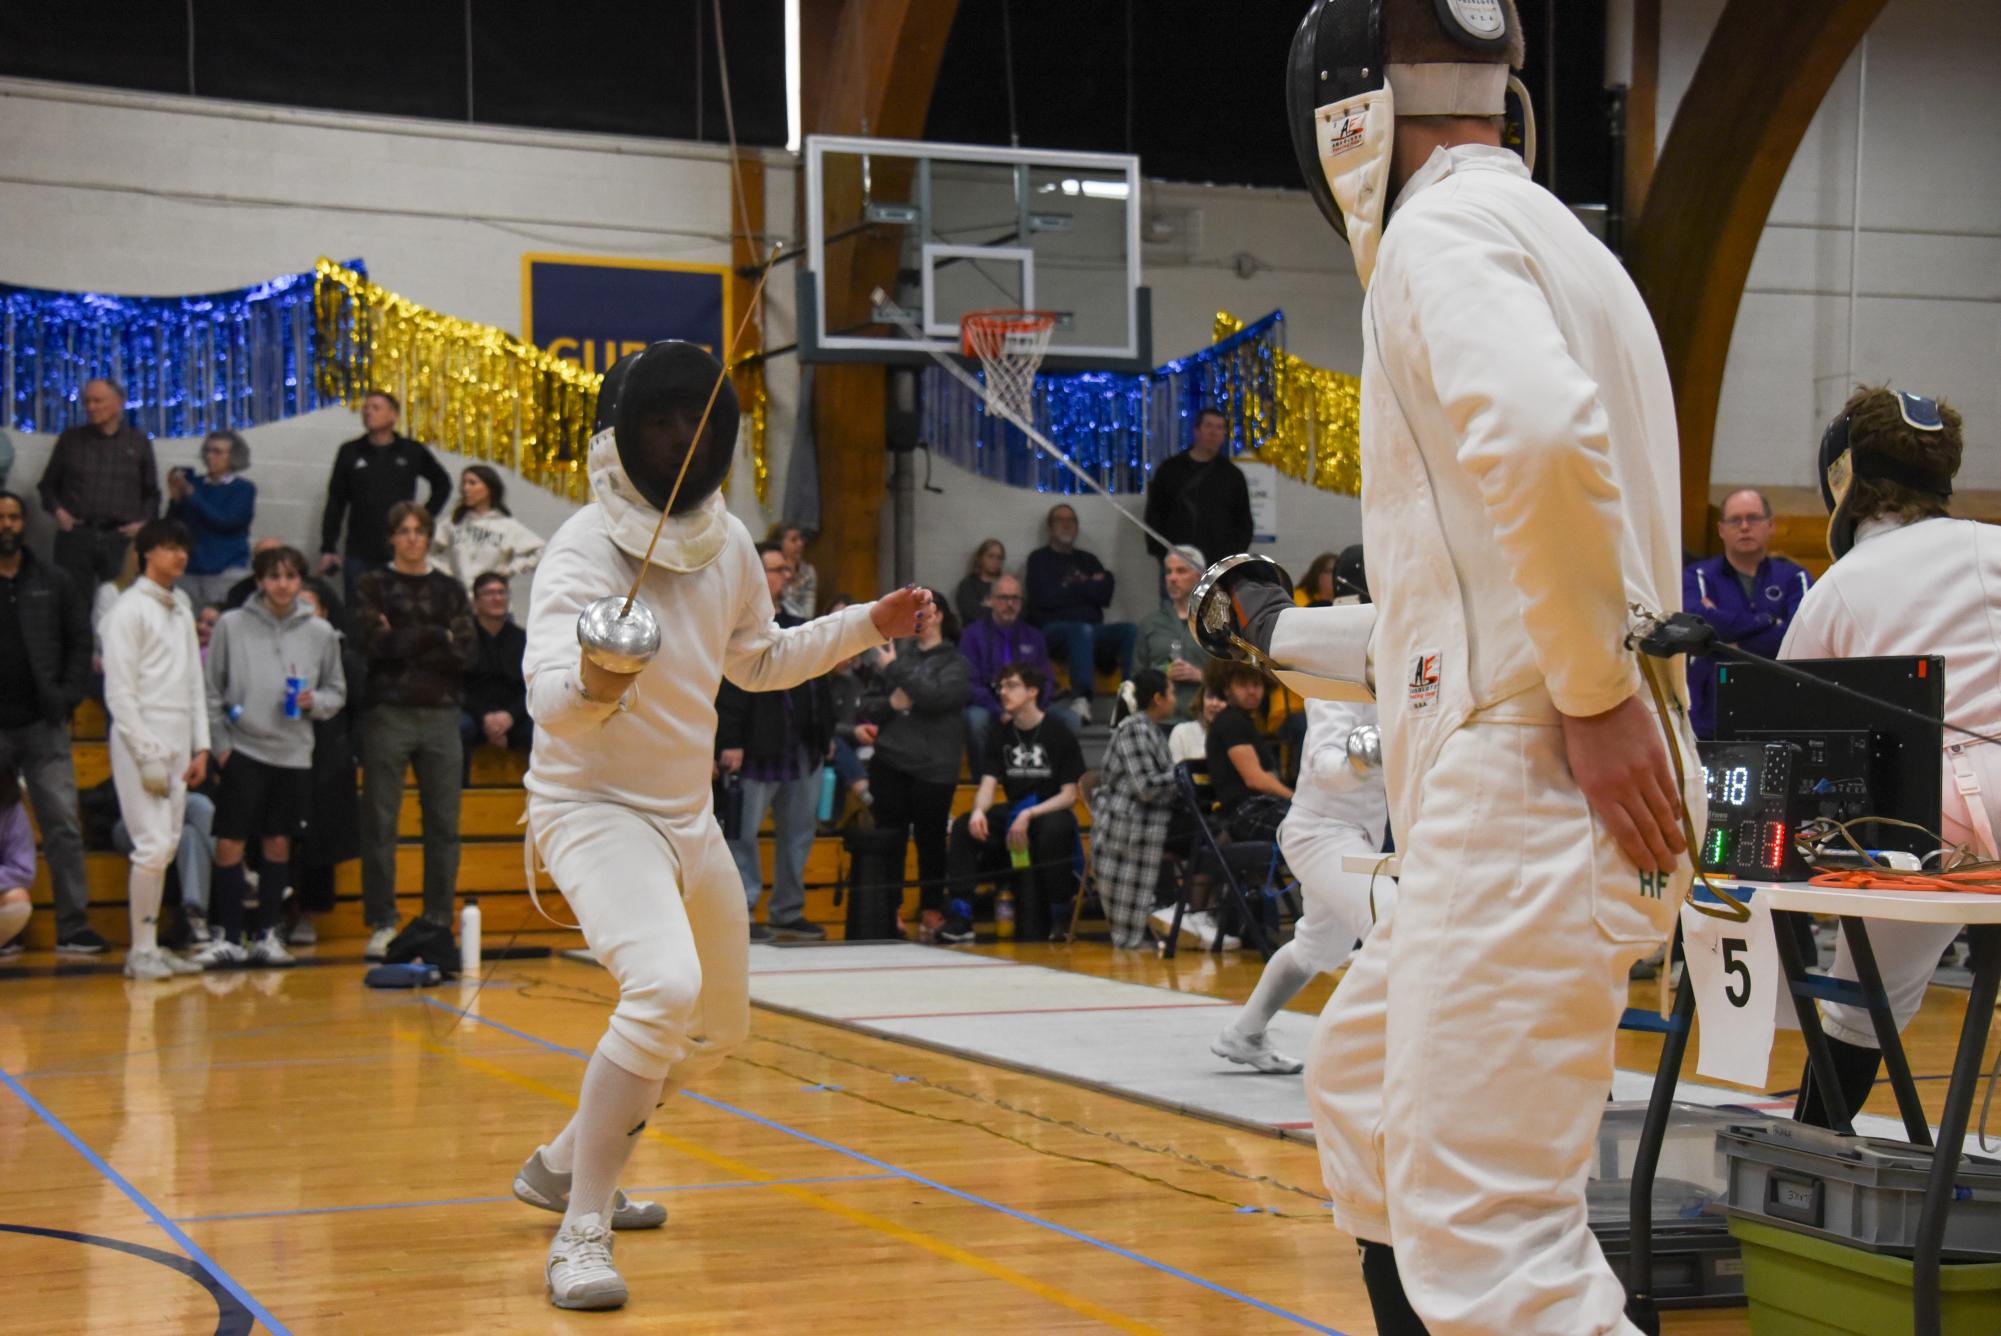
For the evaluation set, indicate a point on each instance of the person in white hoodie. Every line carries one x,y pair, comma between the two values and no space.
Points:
482,534
619,806
1520,492
273,669
159,728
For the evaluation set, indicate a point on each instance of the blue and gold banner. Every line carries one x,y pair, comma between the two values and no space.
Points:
592,311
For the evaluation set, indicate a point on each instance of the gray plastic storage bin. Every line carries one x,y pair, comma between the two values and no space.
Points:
1866,1192
1695,1261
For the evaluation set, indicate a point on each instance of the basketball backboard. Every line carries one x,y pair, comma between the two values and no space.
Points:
950,228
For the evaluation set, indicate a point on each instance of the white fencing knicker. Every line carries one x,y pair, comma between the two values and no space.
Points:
1337,907
1907,954
662,909
1458,1075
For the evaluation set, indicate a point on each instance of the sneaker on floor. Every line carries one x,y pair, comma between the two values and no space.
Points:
539,1185
1081,707
148,965
303,932
800,930
220,952
580,1270
82,943
198,933
760,933
378,943
1254,1051
178,963
266,949
13,947
955,929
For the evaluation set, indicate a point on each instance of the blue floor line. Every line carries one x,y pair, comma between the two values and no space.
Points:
932,1183
487,1201
139,1199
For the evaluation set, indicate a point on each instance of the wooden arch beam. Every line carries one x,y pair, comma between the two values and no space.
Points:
868,67
1760,81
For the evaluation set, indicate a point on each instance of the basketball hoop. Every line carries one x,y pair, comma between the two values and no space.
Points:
1010,345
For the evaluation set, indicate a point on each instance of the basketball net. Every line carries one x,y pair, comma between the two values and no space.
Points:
1010,346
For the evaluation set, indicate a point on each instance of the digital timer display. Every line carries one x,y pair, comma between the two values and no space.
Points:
1728,786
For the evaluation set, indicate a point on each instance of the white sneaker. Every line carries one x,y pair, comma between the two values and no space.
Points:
304,932
221,951
1254,1051
179,964
197,928
378,943
1202,924
580,1270
1082,709
266,949
148,965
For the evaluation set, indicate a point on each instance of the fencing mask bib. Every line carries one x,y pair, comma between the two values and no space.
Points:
1841,463
1346,85
652,400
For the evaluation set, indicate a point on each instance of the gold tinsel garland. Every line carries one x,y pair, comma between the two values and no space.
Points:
1315,429
474,389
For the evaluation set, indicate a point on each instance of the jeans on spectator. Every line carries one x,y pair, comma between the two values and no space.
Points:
203,590
793,804
1089,646
194,854
1050,879
91,554
906,804
41,752
848,767
425,738
980,722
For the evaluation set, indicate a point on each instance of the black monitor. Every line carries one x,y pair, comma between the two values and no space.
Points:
1756,702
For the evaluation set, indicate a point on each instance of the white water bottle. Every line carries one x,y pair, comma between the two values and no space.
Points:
469,937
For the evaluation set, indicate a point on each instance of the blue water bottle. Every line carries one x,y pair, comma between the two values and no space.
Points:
827,793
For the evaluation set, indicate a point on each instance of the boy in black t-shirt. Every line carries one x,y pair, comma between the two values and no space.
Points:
1243,770
1036,763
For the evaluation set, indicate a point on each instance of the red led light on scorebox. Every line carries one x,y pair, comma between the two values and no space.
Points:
1775,844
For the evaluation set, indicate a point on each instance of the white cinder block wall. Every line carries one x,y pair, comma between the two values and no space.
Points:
136,193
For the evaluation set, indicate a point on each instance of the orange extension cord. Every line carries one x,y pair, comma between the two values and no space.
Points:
1983,882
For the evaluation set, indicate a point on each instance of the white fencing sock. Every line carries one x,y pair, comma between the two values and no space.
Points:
13,915
611,1112
1284,976
148,888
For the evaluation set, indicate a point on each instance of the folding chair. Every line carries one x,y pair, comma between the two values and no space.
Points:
1226,860
1087,886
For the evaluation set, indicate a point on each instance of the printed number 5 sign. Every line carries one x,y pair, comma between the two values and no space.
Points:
1739,989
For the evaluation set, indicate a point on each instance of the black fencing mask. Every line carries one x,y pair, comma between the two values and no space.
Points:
652,400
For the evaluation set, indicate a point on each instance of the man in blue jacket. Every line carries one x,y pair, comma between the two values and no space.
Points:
1747,594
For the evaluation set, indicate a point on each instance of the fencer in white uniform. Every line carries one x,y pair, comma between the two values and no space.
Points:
1890,535
1520,493
619,807
154,693
1338,808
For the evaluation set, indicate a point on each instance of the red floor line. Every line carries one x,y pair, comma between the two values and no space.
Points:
1039,1011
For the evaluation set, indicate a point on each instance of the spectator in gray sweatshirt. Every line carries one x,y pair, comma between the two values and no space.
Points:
914,715
273,668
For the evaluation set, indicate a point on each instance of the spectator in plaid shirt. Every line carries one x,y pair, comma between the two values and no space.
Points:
1132,806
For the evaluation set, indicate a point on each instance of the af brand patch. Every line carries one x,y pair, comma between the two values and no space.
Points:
1346,132
1422,681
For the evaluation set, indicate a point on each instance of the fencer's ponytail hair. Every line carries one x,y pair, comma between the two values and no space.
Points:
1137,692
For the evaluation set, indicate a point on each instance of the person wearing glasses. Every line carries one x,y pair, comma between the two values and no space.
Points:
217,504
1747,594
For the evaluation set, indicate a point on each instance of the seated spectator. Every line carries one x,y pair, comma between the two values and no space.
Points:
1068,592
999,638
776,741
1243,763
1163,642
217,505
1190,739
276,668
1316,588
206,616
914,717
482,536
802,596
17,862
416,628
496,696
331,833
970,598
1035,767
1133,807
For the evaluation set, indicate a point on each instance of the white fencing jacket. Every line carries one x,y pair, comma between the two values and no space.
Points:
1330,789
1520,469
153,684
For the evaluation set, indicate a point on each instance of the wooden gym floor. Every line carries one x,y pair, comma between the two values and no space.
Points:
338,1160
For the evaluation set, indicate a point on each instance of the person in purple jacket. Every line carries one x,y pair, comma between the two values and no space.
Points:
17,863
1747,594
990,644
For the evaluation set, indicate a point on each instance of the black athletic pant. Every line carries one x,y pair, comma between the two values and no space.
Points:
1050,880
905,804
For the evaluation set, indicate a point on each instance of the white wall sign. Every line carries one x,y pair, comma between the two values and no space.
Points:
1263,482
